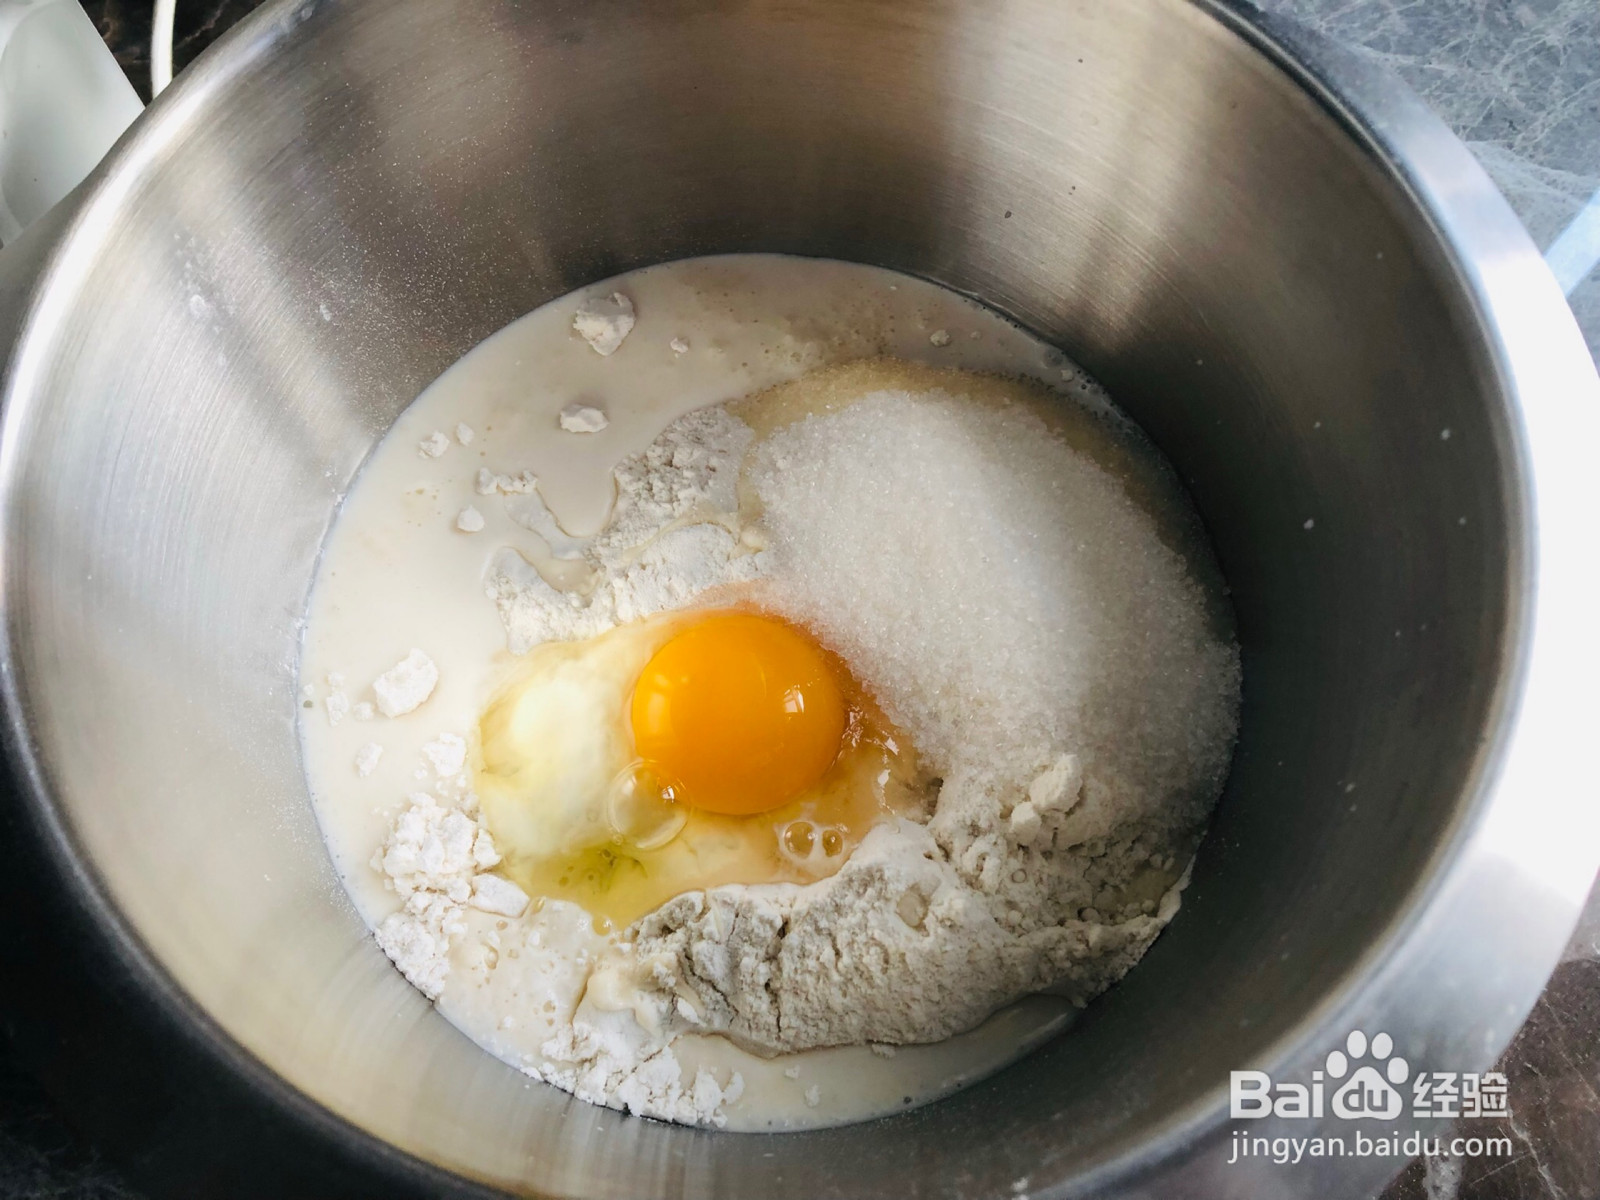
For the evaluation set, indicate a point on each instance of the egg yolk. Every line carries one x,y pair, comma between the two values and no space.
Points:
741,712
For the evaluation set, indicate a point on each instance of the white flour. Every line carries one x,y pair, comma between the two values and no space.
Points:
404,686
668,540
432,858
439,858
603,321
582,418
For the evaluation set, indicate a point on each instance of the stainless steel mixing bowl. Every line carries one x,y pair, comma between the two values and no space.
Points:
1284,268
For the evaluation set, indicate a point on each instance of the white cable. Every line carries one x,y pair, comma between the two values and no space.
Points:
161,22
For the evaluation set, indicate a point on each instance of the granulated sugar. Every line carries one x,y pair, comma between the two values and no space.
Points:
1003,595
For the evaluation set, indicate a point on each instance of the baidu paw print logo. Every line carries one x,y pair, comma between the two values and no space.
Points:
1361,1081
1372,1089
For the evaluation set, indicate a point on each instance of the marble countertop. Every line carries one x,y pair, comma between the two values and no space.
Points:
1519,81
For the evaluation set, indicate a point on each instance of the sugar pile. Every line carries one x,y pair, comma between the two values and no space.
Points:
1004,596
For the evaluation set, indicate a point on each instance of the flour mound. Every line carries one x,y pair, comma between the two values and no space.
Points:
608,1058
670,539
432,859
789,968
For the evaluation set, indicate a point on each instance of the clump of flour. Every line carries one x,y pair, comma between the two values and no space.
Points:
432,859
669,539
604,321
439,858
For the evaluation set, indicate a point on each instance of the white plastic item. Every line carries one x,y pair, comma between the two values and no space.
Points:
63,102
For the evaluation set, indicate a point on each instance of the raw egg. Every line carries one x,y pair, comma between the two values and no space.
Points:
684,752
741,711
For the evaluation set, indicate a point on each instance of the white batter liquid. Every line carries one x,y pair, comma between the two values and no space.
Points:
397,573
